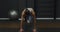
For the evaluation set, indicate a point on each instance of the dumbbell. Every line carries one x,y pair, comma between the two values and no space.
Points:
13,14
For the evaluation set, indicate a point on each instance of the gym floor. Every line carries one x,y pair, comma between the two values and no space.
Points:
46,26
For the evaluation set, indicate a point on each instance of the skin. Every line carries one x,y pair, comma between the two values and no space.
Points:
22,17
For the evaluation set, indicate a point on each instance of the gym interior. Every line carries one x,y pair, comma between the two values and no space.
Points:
47,14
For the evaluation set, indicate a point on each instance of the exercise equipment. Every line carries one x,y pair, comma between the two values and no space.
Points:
13,14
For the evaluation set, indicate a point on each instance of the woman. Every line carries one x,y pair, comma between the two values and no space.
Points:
28,22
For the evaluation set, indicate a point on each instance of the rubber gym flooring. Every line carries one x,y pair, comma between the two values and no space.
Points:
44,26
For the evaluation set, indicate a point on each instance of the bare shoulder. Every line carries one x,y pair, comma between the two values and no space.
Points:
23,11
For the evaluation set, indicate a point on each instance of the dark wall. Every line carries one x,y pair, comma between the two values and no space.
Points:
3,8
25,4
57,8
6,5
44,8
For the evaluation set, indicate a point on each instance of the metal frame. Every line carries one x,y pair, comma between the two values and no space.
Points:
36,18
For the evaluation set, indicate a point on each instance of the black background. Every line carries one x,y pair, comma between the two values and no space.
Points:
44,8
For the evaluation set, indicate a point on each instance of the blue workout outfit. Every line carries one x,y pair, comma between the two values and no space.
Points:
28,26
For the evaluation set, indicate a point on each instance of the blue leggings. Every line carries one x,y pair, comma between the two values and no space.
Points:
28,27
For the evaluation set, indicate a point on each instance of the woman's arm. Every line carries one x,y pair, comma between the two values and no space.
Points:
22,18
22,21
34,16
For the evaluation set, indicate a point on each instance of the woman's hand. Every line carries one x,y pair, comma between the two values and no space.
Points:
34,30
21,30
